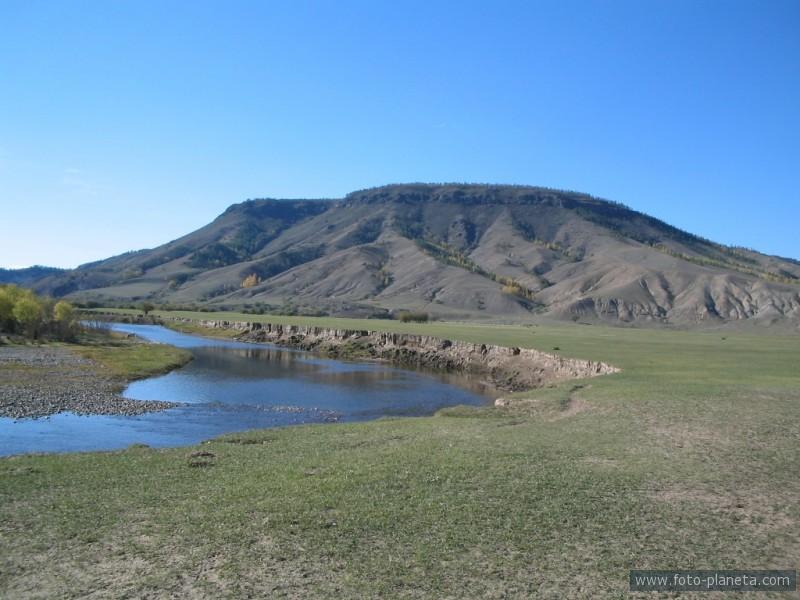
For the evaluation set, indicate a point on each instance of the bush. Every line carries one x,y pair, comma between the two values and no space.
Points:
408,316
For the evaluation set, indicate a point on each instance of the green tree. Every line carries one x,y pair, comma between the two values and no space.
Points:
63,311
65,320
29,314
146,307
6,309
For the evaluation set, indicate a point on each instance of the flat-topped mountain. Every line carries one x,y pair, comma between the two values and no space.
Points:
455,251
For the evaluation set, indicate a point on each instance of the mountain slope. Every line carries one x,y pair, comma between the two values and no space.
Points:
456,251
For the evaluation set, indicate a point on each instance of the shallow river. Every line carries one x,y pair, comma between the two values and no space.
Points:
233,386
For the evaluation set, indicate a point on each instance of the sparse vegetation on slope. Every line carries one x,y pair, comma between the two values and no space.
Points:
497,248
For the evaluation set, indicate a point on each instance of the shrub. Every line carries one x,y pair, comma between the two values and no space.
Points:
408,316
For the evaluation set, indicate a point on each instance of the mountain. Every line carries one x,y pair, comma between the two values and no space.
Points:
456,251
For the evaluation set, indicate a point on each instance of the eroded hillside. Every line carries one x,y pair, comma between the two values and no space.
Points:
456,251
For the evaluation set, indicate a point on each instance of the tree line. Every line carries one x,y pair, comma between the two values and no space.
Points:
24,313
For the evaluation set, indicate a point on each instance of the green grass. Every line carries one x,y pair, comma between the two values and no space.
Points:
195,329
686,459
131,360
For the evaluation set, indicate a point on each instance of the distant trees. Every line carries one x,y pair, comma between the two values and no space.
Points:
24,313
146,307
251,280
213,256
408,316
178,280
513,287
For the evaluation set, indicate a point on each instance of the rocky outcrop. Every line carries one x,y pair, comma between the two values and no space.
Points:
506,368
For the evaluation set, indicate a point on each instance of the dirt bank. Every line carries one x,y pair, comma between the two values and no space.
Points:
512,369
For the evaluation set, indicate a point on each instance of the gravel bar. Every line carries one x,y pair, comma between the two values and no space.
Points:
37,381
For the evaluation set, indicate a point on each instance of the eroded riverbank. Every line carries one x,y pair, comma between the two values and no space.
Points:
505,368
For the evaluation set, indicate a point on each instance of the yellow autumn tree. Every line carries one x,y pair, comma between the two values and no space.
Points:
251,281
65,323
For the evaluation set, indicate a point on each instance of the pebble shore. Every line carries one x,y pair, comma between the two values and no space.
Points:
39,381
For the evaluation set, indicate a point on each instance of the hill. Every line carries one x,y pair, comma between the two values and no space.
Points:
455,251
27,275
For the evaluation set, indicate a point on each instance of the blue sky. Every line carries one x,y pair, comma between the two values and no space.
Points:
124,125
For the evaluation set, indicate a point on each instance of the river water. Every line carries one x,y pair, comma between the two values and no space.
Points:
233,386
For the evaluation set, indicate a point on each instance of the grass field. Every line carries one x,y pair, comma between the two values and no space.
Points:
686,459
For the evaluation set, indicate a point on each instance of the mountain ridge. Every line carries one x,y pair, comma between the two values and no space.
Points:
455,251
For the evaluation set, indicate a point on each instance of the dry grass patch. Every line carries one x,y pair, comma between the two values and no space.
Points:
762,511
689,436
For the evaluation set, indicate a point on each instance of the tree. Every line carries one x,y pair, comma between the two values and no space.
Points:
63,311
29,314
65,320
6,310
147,307
251,280
408,316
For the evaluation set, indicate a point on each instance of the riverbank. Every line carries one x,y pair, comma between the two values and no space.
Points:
685,459
505,368
85,379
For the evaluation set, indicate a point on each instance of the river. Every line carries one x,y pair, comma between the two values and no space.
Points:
233,386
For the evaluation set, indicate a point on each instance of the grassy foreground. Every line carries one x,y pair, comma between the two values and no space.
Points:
686,459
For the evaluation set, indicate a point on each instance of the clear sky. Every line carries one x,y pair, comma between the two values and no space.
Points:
124,125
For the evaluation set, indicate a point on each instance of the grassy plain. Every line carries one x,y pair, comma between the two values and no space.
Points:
686,459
